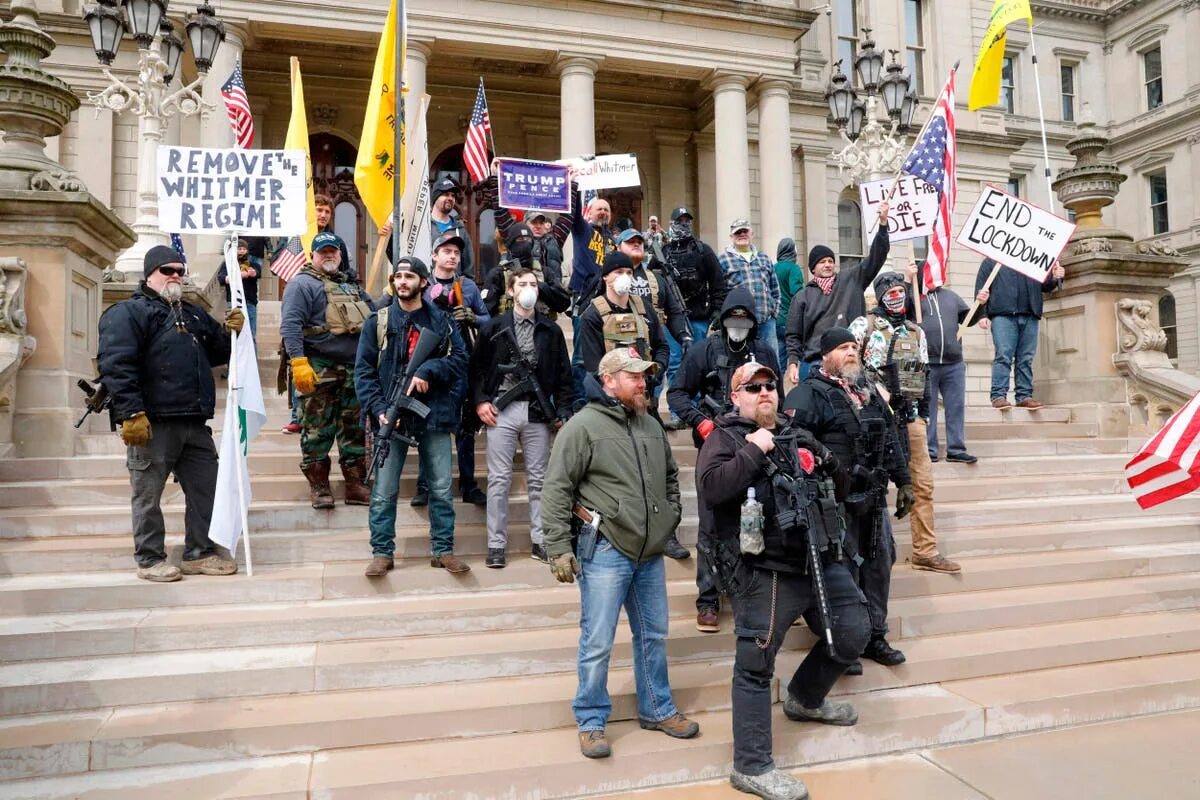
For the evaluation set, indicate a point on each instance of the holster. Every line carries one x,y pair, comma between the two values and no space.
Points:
724,561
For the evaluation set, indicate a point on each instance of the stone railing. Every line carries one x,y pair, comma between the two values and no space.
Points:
1155,388
16,344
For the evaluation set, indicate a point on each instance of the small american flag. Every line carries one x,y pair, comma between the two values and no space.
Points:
177,246
1168,466
289,259
934,159
237,106
475,149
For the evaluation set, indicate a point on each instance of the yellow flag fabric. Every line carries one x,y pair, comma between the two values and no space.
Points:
297,139
985,82
378,166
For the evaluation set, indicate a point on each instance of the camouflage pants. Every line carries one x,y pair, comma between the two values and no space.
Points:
331,412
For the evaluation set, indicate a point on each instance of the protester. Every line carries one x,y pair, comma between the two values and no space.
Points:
388,339
1014,307
156,357
831,299
618,318
251,270
521,389
522,247
612,468
894,352
322,313
847,415
694,267
593,240
655,235
942,311
443,218
548,237
791,281
660,292
325,225
744,265
754,448
707,374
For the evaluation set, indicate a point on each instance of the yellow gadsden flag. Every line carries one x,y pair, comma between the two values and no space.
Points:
297,139
378,165
985,82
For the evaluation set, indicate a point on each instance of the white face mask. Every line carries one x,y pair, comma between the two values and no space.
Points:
527,297
622,284
737,334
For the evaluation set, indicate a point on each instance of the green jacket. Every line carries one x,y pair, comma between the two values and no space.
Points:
618,465
791,281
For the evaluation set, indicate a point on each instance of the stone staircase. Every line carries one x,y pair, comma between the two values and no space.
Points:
309,681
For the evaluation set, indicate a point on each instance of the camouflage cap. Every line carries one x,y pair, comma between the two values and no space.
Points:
625,359
746,371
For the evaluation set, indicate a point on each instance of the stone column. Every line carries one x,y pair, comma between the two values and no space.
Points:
1191,21
816,213
415,72
777,197
672,172
733,151
577,109
706,191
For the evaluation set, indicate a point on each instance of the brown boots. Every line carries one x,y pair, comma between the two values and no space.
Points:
318,484
358,493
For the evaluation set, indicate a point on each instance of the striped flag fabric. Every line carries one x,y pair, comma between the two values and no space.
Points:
177,246
237,106
289,259
934,159
475,149
1168,466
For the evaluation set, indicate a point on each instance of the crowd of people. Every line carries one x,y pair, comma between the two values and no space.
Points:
804,403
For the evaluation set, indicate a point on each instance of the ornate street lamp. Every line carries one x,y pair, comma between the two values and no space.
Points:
106,23
839,97
206,33
172,50
144,19
857,114
894,87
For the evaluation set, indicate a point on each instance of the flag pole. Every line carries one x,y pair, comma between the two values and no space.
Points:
917,138
1037,82
397,189
491,135
234,396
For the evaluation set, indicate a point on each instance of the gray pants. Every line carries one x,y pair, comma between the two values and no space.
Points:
513,426
186,448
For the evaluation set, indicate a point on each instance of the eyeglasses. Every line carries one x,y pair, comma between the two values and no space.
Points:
755,388
171,272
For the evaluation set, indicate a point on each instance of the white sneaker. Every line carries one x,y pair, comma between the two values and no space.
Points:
162,572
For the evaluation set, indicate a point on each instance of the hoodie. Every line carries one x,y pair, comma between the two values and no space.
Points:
791,278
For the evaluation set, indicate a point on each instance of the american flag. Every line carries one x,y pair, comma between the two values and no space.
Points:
934,159
289,259
1168,466
237,106
177,246
475,148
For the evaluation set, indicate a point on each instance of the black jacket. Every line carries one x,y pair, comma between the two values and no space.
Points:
148,364
942,311
591,340
698,274
812,312
1012,294
550,290
249,285
552,371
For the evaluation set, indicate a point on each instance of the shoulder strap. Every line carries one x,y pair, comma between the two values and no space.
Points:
381,323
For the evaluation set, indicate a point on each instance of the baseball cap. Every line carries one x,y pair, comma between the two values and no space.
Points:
443,186
629,233
625,359
682,211
411,264
450,237
746,371
327,239
536,216
739,224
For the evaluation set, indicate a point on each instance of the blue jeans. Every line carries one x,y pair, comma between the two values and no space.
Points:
804,368
295,403
608,582
1015,338
252,315
949,381
433,449
673,362
766,333
699,331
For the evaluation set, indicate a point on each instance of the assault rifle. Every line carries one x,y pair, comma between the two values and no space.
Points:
669,276
400,405
872,482
526,384
96,398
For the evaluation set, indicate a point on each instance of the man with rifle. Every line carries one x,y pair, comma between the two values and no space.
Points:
706,374
521,389
777,550
846,414
410,375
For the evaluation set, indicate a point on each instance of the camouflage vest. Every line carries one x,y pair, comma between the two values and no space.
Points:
624,328
345,310
904,354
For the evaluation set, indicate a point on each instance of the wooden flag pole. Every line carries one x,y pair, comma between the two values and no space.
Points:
373,273
987,286
916,279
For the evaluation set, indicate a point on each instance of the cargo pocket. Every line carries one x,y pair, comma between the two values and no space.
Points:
137,459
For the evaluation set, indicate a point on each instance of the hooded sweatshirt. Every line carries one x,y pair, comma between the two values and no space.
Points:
791,278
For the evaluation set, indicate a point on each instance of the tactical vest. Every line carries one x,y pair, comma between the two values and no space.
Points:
906,371
506,301
684,266
624,328
345,310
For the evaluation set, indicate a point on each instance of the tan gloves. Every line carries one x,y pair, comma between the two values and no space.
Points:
564,568
303,375
234,320
135,431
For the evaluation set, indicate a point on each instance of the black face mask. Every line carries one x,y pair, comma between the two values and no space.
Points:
522,250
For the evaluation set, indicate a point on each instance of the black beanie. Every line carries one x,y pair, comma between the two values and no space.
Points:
817,253
834,338
159,256
616,260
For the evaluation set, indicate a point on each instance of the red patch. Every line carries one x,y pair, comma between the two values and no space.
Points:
413,336
807,460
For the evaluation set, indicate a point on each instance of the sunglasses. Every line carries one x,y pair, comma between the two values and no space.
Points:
171,272
755,388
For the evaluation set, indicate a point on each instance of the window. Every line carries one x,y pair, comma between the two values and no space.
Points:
1166,321
1159,219
850,233
1152,65
1014,185
847,32
1066,79
916,44
1008,92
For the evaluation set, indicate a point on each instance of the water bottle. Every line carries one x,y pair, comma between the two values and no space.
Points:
752,525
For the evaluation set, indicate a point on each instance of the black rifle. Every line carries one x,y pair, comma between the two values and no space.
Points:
400,405
871,496
96,398
527,382
670,277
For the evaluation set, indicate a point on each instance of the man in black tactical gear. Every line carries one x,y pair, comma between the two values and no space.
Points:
693,266
707,373
846,414
523,254
797,568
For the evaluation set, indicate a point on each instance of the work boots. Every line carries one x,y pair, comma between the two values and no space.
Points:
358,493
318,483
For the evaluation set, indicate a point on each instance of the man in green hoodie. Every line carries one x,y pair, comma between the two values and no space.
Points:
791,281
612,478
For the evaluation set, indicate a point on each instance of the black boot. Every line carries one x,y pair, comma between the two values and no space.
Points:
878,650
675,550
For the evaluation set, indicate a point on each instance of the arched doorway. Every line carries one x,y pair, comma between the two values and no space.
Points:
476,215
333,175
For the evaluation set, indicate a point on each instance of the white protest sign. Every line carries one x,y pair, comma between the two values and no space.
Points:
1015,233
219,190
606,172
911,213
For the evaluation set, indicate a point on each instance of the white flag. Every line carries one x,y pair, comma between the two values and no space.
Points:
245,414
415,238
